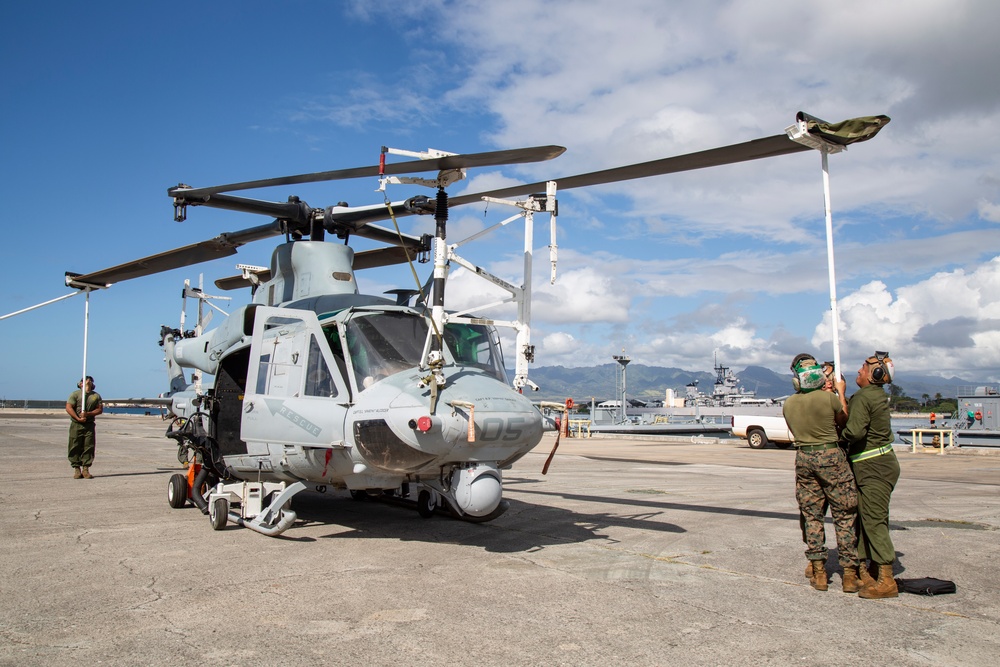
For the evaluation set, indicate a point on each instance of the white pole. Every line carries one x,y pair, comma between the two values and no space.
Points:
834,315
25,310
86,327
196,375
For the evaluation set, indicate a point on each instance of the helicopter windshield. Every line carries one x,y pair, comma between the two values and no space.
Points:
382,344
473,345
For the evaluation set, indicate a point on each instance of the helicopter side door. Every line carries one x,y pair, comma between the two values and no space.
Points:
296,394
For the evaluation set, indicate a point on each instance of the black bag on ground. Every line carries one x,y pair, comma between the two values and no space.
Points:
926,586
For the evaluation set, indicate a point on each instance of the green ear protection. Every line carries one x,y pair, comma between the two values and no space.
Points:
807,374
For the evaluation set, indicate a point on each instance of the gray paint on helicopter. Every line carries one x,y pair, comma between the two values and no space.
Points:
278,407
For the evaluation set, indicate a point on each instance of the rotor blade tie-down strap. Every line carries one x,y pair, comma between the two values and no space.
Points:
563,429
471,433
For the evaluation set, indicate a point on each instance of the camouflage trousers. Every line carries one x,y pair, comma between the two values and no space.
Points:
824,479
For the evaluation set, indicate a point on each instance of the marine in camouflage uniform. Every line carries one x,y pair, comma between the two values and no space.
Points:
822,475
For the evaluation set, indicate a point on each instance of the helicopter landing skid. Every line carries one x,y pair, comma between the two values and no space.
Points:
243,504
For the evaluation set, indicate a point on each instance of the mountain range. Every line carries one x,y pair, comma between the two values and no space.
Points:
582,383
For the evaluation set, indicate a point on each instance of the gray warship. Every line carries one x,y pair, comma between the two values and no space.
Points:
696,413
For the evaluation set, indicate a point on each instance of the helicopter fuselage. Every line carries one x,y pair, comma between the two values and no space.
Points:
332,390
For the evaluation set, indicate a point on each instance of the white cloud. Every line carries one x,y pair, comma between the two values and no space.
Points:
949,323
989,211
579,296
589,294
466,290
653,79
559,344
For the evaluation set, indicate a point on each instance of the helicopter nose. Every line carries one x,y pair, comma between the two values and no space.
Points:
476,418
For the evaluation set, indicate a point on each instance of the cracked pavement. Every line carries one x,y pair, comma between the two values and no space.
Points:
645,552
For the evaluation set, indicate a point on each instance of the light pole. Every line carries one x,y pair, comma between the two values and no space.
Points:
620,385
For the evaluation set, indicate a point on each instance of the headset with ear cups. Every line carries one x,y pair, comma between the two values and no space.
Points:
878,373
882,373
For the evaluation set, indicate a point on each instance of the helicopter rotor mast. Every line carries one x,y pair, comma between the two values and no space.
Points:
448,174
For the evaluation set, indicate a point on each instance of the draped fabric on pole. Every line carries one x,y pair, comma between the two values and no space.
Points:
846,132
833,138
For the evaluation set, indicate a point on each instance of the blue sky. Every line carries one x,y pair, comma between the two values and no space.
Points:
106,105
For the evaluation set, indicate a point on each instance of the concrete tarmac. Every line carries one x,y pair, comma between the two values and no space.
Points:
626,552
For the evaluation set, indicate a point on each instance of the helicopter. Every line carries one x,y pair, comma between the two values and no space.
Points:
319,386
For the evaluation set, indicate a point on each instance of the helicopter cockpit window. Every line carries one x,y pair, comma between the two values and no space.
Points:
319,380
473,345
382,344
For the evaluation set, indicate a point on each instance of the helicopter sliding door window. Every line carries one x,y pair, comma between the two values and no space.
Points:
290,387
293,362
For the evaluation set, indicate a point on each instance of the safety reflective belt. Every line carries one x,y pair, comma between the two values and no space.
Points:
871,453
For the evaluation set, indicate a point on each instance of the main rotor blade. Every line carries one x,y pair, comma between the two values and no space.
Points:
371,259
461,161
392,237
296,212
239,282
756,149
223,245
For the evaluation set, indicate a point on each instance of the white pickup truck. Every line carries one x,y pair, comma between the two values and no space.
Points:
760,430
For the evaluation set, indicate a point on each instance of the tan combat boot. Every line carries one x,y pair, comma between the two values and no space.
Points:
851,581
865,572
885,587
76,473
86,473
818,580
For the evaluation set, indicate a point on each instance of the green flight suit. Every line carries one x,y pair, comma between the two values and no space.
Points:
869,431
